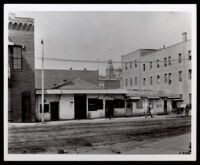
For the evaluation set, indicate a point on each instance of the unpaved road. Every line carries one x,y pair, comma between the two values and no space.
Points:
93,137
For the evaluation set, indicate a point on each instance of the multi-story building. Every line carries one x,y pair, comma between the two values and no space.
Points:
166,70
21,106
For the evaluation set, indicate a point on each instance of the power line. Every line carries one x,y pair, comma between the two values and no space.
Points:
106,61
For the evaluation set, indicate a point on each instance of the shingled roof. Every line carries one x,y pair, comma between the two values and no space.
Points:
77,84
54,77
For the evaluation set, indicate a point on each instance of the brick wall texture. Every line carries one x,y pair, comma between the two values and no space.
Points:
22,81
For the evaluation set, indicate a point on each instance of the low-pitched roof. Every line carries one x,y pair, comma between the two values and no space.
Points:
96,91
54,77
77,84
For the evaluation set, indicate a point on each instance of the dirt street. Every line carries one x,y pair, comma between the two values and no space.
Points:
115,136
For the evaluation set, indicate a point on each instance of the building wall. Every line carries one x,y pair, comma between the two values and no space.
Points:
21,32
157,108
66,107
100,113
48,99
110,84
179,87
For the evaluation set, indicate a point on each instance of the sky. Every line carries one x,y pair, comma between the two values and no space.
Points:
102,35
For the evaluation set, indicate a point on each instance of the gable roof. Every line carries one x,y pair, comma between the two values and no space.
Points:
77,84
54,77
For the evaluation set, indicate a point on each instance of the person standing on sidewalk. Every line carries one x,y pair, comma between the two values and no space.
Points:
149,107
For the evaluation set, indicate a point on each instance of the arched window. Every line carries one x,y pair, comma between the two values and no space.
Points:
25,27
30,27
10,25
20,26
15,26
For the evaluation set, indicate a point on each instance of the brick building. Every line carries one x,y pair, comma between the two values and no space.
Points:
21,106
149,72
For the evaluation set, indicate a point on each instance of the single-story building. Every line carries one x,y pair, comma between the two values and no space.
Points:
162,102
80,99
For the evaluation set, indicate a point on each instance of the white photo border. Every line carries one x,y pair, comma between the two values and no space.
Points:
101,7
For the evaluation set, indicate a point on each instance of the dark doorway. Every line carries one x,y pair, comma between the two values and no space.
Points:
109,108
54,111
165,107
174,104
26,107
80,106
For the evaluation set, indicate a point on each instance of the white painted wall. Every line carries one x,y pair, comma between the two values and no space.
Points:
157,109
48,98
119,112
66,107
100,113
137,111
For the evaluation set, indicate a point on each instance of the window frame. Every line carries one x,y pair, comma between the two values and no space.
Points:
135,63
180,58
165,61
144,81
169,78
45,106
144,67
158,79
169,60
136,81
189,74
12,58
157,62
126,67
131,81
151,80
165,78
180,76
96,104
119,103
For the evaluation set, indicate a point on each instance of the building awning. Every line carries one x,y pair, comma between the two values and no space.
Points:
153,97
178,100
100,91
173,97
134,98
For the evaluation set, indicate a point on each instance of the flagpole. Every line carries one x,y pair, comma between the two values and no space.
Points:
42,81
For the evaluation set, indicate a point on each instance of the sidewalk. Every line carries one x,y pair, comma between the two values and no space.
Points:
98,120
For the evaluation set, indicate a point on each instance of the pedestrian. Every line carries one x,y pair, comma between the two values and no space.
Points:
149,110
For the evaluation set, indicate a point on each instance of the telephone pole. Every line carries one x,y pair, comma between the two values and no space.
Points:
42,80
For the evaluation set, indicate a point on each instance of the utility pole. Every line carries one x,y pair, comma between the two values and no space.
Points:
42,81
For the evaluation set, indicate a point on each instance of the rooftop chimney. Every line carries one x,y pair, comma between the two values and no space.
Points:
184,36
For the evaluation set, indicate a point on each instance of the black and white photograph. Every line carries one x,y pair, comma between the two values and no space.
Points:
99,82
